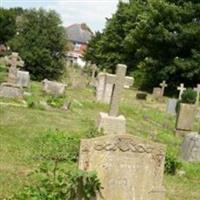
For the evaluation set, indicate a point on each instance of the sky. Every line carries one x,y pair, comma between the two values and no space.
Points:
92,12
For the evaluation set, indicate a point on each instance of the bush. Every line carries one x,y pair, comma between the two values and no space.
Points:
189,96
30,102
56,102
171,164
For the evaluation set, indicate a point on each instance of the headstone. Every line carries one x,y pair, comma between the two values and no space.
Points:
23,78
171,106
197,89
181,89
157,92
10,90
53,88
190,150
129,168
93,78
105,83
112,123
185,118
163,86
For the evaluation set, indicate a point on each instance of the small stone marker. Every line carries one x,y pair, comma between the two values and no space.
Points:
105,83
129,168
190,150
197,89
23,78
163,86
157,92
53,88
181,89
10,90
171,106
93,78
112,123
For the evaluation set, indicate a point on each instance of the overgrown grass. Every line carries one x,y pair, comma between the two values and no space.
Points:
19,127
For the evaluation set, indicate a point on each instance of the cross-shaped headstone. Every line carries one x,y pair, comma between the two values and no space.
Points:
163,86
14,60
181,89
118,82
197,89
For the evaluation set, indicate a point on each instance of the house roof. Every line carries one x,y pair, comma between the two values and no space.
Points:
79,33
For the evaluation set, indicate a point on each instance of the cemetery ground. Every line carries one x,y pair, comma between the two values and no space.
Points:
21,126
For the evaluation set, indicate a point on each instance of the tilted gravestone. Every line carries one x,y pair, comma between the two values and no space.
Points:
190,150
129,168
53,88
105,84
110,122
171,106
197,89
181,89
157,91
23,78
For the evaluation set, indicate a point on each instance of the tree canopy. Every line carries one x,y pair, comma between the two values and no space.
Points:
156,39
40,40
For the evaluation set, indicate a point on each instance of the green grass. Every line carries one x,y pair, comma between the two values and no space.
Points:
19,126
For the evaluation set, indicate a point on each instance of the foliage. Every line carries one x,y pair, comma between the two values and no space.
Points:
171,163
157,39
76,185
56,102
41,42
189,96
30,101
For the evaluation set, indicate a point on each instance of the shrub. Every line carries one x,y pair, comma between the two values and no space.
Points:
171,164
30,102
56,102
189,96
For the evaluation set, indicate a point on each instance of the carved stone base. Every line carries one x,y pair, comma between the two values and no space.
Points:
112,125
10,91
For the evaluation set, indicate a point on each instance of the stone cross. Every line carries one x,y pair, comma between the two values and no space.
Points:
181,88
118,82
14,60
163,86
197,89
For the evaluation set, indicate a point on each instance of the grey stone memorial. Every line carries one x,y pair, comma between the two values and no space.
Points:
111,122
163,86
197,89
171,106
190,149
129,168
23,78
157,91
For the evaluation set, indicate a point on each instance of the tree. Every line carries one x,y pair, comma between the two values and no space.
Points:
156,39
41,42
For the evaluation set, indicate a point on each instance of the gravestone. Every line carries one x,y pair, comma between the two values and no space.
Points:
53,88
157,92
93,77
10,88
129,168
105,83
181,89
197,89
190,149
23,78
163,86
171,106
110,122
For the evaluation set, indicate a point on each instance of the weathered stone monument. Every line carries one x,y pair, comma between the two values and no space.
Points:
197,89
190,150
111,122
129,168
23,78
157,91
181,89
93,77
105,84
53,88
11,88
163,86
171,106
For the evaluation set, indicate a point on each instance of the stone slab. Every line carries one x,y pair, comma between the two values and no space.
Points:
171,106
157,92
23,78
190,149
10,91
111,125
129,168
